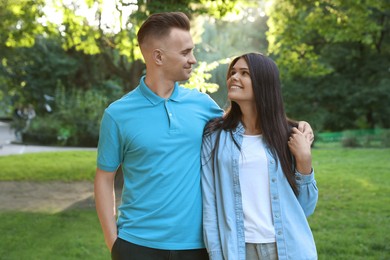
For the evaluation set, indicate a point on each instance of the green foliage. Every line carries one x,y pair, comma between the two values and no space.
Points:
200,75
334,57
48,166
79,34
299,30
386,138
20,25
43,42
368,138
30,73
349,140
75,120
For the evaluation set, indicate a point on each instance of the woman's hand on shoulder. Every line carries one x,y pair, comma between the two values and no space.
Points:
307,131
300,147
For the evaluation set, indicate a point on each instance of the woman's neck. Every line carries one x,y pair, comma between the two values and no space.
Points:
249,119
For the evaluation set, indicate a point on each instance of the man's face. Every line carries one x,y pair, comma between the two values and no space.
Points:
177,55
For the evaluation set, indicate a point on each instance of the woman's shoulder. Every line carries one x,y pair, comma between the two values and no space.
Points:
213,126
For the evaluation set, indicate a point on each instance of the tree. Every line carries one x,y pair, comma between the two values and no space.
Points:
47,45
113,45
334,58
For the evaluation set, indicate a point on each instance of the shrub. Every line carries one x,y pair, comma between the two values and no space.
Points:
349,139
74,121
385,138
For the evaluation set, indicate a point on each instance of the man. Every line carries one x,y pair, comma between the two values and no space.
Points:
155,133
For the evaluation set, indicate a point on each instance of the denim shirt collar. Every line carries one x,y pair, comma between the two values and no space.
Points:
240,130
152,97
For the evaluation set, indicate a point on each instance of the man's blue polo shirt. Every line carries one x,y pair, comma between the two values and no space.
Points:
158,143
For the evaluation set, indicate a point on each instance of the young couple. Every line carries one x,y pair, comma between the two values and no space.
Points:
248,170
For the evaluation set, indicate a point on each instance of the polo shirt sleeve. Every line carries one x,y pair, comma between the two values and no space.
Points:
215,110
110,153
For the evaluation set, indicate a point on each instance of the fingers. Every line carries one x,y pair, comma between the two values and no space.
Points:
310,137
303,125
297,135
296,131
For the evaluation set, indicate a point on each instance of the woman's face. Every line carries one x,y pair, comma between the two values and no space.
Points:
239,83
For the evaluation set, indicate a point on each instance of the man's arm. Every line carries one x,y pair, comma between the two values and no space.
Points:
105,205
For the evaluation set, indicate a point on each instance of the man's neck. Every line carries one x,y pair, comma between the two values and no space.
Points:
160,86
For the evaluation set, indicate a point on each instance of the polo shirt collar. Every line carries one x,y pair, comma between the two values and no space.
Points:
152,97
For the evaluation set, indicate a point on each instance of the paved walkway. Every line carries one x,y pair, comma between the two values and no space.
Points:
8,147
53,196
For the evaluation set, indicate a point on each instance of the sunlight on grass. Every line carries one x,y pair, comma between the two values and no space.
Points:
62,166
351,221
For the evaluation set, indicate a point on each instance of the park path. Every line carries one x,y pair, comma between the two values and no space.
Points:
53,196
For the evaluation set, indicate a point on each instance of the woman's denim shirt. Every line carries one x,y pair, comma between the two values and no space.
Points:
223,219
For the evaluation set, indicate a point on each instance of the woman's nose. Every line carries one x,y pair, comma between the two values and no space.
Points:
234,77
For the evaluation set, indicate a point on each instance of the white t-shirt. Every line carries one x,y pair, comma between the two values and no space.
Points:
256,200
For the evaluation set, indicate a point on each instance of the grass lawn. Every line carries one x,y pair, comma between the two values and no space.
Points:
38,236
352,219
60,166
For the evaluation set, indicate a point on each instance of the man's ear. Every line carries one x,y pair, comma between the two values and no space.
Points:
157,56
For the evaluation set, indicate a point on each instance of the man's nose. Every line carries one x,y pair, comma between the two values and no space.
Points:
192,59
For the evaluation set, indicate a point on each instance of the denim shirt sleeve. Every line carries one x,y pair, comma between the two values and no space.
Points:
308,192
210,221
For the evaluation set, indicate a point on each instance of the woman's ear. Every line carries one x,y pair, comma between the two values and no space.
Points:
157,56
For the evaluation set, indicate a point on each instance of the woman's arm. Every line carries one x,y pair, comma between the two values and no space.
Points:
301,150
210,220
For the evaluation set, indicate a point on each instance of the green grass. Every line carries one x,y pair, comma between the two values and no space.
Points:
352,218
60,166
38,236
351,221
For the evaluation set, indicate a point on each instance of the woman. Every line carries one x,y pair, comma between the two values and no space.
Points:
257,178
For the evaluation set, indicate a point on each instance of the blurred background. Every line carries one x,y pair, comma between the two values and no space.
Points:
63,62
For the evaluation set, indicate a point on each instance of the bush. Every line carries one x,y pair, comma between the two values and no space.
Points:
385,138
74,121
349,139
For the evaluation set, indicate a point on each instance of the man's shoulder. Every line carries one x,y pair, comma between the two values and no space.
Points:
126,98
193,94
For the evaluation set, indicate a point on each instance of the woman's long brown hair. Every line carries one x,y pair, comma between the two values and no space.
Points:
275,126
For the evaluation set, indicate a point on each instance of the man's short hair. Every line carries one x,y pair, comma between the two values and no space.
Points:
160,24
